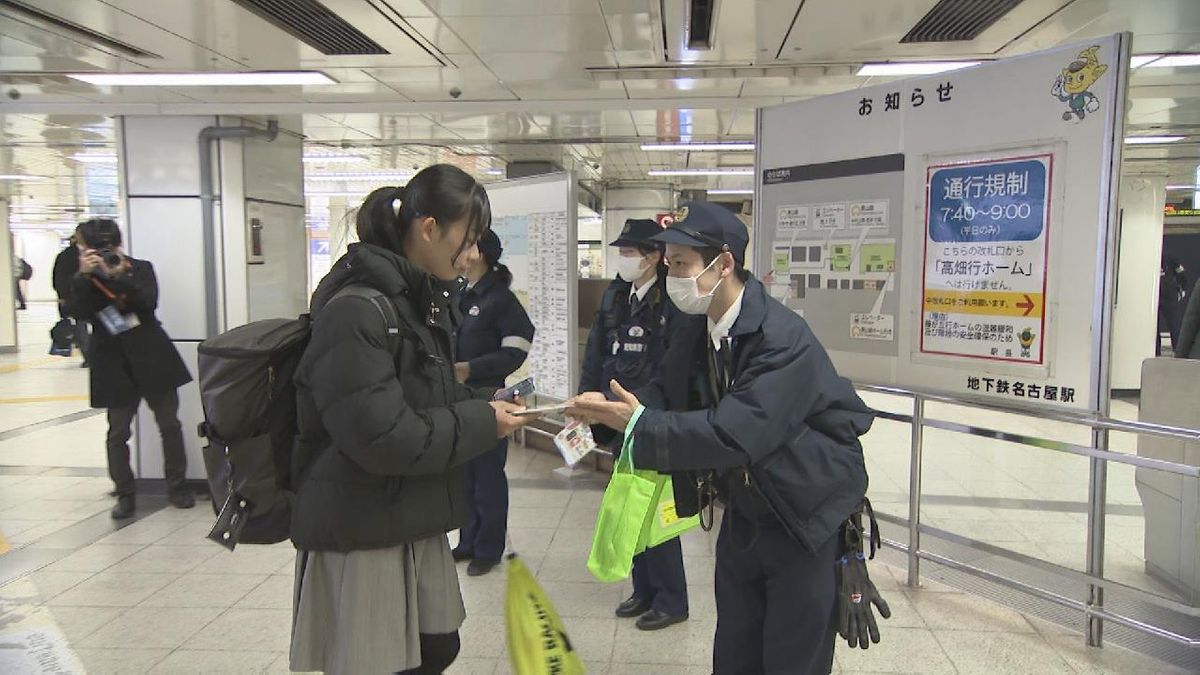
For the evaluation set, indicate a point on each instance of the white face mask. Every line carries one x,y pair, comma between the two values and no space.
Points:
631,269
685,292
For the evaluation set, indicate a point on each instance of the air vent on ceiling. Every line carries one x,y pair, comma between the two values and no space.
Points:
701,17
958,20
316,25
23,12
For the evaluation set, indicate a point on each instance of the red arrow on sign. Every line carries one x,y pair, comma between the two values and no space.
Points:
1028,305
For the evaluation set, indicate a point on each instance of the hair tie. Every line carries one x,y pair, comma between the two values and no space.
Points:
397,204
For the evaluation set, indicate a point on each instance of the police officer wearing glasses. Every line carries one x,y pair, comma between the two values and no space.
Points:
748,410
626,344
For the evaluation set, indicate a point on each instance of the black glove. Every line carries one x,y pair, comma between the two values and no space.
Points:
856,592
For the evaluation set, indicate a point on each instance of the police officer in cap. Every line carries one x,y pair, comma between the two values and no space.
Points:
748,410
494,339
626,344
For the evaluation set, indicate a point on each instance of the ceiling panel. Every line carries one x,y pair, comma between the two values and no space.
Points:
685,88
547,67
440,34
565,90
470,91
352,93
633,32
461,8
543,32
1157,25
177,52
866,30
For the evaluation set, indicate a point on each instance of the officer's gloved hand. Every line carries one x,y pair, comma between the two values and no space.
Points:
856,593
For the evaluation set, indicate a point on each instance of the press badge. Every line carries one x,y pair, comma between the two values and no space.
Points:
115,322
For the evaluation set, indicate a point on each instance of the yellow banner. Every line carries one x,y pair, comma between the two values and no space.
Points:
987,303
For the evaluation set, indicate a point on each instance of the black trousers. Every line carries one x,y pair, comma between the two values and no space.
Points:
658,576
166,414
487,493
775,602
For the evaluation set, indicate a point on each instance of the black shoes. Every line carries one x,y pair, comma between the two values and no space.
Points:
460,555
478,567
656,620
182,499
634,606
124,508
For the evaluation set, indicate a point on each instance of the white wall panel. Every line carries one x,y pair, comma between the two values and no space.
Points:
161,154
168,233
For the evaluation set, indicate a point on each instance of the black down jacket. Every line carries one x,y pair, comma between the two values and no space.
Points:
384,428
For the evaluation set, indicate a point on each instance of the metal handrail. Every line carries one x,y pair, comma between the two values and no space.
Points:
1099,456
1068,416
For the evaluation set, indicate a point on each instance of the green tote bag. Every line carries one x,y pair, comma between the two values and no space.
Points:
662,523
621,522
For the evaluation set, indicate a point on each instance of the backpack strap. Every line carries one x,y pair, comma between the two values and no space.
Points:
387,309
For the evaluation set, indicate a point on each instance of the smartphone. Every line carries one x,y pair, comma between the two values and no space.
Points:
519,390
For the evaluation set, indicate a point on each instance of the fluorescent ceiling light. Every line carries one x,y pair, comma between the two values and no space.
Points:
1140,60
697,147
1175,61
20,177
729,171
1144,140
357,176
229,79
1183,187
94,159
913,68
334,158
731,192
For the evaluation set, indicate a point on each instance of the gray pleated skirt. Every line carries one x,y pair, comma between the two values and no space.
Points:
363,612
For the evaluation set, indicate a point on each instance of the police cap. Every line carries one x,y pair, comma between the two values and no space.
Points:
707,225
638,232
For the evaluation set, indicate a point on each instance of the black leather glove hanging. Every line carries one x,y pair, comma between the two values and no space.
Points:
856,592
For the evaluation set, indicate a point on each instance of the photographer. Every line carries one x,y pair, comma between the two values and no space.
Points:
130,355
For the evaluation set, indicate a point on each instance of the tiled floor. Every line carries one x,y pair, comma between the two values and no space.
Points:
155,596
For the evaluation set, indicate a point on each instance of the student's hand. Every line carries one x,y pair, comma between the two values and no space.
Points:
462,371
506,423
594,407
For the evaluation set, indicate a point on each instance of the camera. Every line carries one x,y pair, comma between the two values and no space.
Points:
110,257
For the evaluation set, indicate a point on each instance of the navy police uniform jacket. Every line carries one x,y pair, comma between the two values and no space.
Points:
627,341
781,436
495,333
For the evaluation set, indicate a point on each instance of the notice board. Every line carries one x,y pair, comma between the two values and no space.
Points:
535,219
954,233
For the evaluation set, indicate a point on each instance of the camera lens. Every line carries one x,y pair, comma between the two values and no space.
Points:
110,258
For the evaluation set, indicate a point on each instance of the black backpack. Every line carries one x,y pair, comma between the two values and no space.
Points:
249,400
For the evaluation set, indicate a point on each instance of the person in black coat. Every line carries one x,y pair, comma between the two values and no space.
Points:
131,357
66,266
1189,332
494,339
749,406
627,343
385,431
